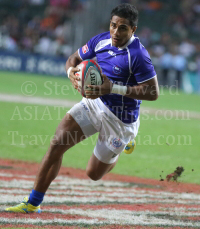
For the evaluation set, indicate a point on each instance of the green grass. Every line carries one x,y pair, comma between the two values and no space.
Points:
61,88
150,158
43,86
175,100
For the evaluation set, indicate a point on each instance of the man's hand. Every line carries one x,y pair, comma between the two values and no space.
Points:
99,90
73,78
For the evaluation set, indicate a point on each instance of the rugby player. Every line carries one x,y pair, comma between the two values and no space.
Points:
111,109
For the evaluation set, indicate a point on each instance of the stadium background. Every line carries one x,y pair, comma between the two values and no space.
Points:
36,38
168,29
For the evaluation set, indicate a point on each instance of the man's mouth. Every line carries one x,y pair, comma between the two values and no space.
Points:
115,39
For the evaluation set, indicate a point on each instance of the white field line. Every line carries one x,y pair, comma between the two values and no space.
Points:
6,199
116,194
91,194
111,213
91,183
74,181
142,220
70,183
119,214
23,185
66,182
50,222
58,185
13,185
108,216
16,175
36,100
67,103
180,209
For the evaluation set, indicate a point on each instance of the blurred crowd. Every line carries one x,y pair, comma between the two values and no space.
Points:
37,26
43,27
176,48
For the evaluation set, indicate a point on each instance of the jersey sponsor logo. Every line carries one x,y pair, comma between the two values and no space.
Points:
117,70
116,142
112,53
85,49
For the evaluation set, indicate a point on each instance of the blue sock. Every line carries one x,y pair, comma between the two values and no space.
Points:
36,198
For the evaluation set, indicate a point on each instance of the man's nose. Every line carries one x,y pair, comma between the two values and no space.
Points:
116,31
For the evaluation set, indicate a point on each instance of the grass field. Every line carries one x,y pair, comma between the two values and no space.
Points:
152,157
61,88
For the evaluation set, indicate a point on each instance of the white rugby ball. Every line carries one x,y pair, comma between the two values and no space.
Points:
89,74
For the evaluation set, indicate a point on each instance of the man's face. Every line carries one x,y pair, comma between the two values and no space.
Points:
120,31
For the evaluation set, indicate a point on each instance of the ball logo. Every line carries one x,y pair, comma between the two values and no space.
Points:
116,70
85,49
93,77
116,142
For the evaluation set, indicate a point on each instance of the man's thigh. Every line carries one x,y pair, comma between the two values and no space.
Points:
113,138
82,115
68,134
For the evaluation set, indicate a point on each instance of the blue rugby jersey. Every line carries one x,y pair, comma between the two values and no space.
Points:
127,65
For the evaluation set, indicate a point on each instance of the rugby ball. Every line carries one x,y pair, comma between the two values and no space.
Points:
89,74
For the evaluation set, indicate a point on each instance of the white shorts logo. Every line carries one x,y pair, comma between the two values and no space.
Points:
116,142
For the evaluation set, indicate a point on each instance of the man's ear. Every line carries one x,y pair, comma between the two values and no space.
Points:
134,29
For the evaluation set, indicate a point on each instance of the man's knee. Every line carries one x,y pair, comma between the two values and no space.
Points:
93,175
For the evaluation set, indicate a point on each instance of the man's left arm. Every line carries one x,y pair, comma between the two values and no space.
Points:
149,90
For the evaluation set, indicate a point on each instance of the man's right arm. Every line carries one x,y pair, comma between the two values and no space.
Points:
71,69
73,61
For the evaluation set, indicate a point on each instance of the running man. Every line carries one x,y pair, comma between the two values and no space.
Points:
111,109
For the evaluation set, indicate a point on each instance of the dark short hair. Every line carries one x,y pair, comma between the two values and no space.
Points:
126,11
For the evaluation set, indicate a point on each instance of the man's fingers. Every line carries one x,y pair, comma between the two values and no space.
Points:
92,96
93,93
76,82
75,70
104,77
75,76
93,87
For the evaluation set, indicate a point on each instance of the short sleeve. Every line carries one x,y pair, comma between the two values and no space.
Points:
142,67
87,51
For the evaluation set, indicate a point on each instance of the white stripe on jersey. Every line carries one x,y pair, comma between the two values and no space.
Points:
129,61
147,79
128,43
79,54
102,44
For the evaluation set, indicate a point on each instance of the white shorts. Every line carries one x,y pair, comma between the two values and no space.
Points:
93,116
